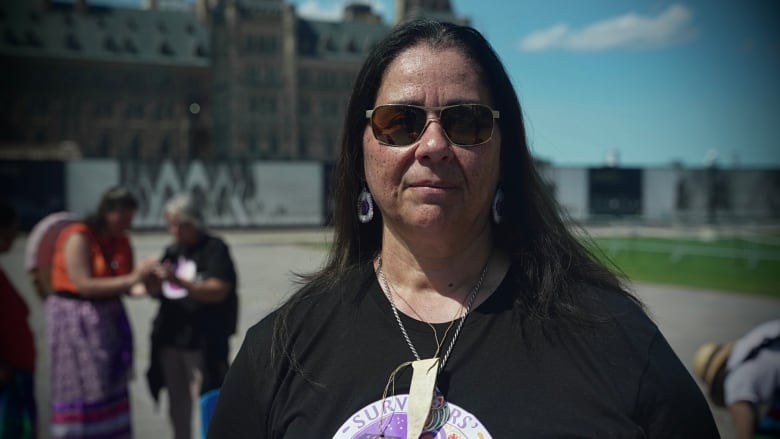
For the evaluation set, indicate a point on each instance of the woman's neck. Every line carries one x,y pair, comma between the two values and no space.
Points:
434,286
106,234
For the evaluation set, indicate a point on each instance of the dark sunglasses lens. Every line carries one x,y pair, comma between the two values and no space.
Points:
397,124
468,124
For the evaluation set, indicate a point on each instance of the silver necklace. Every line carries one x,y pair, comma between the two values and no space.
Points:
440,411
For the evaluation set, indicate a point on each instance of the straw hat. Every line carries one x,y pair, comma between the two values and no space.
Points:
710,360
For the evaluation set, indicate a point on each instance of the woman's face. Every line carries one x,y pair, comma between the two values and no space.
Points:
119,220
431,183
182,232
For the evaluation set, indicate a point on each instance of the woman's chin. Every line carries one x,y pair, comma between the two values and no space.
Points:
434,221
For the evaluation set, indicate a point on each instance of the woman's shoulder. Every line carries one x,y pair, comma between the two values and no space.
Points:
261,333
215,240
608,301
214,245
78,229
618,313
74,227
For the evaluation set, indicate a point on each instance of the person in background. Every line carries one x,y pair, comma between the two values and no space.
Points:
196,317
18,412
455,302
744,376
88,334
39,250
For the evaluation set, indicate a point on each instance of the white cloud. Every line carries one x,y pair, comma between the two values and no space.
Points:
544,39
331,10
626,31
315,10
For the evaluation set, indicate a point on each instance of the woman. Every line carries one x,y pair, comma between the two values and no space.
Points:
197,314
454,303
18,412
88,333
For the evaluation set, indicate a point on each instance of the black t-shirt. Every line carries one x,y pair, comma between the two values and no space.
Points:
614,379
184,322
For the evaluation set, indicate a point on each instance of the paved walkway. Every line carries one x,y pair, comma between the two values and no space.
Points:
267,260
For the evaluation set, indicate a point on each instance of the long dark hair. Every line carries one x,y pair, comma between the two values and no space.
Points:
547,261
114,199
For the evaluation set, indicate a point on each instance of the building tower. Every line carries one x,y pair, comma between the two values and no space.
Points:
434,9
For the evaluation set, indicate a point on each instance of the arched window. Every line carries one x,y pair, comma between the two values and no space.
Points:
166,147
33,39
330,44
134,148
130,46
166,49
71,42
104,145
110,44
200,51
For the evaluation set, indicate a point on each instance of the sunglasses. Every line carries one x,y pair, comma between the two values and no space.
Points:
401,124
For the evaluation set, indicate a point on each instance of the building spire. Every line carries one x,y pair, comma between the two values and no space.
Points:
434,9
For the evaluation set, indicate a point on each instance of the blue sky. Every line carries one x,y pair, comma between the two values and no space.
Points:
655,81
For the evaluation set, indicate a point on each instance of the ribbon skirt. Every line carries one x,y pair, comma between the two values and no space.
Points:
90,352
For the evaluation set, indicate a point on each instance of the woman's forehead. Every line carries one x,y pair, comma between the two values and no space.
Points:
421,71
413,62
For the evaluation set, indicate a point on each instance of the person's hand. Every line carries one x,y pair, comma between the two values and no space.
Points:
146,281
165,272
137,290
145,268
153,284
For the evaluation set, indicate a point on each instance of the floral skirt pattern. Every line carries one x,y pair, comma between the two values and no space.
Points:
90,352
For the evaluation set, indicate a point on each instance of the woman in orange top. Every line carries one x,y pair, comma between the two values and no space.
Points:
88,333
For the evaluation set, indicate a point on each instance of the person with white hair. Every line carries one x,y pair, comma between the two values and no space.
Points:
197,314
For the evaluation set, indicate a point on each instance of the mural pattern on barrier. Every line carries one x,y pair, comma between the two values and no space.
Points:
261,193
233,194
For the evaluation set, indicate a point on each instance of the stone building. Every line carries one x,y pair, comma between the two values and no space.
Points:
220,79
82,80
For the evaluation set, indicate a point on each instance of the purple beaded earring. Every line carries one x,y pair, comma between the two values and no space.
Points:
498,206
365,206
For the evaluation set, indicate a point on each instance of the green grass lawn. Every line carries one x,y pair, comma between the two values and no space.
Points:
730,264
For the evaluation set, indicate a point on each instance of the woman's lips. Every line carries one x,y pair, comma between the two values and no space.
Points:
433,184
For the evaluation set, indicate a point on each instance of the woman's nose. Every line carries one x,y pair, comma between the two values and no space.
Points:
433,143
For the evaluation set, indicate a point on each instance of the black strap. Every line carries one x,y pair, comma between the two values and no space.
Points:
717,393
764,344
